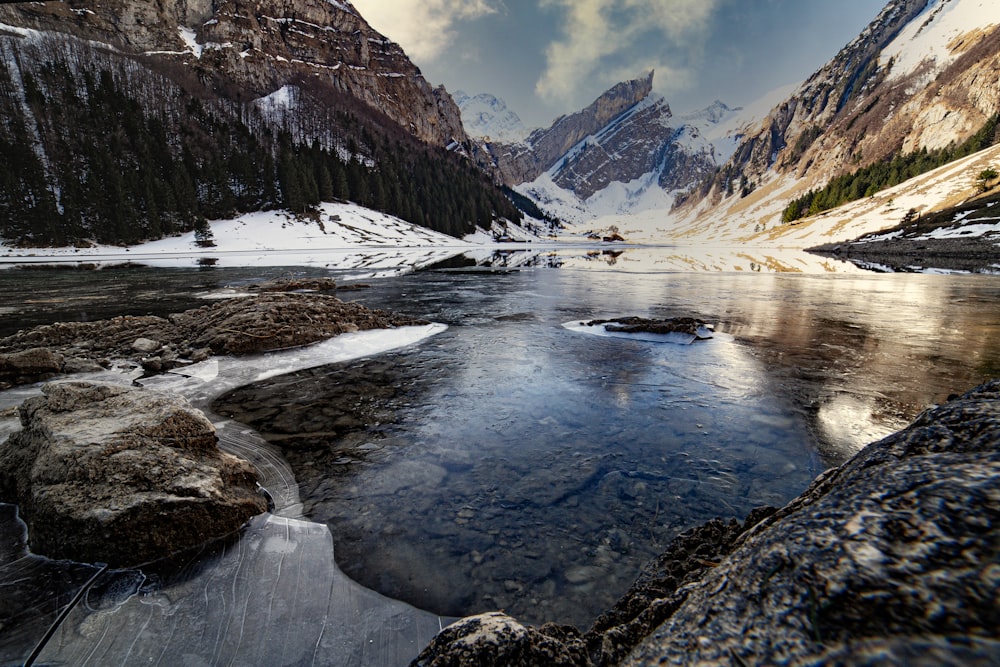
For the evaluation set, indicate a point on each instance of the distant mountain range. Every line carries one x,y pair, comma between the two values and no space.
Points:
129,121
920,77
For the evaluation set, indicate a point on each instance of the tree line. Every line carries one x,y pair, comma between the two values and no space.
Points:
866,181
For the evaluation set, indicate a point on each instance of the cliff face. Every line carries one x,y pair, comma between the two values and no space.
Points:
644,140
628,136
242,50
520,163
921,75
128,121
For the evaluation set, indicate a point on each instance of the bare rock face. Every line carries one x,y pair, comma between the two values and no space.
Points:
248,50
520,163
122,475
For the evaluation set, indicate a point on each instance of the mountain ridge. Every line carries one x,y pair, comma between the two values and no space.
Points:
124,123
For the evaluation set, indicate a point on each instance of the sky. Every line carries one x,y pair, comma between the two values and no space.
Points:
546,58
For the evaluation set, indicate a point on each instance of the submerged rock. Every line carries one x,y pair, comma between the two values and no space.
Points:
685,325
889,559
122,475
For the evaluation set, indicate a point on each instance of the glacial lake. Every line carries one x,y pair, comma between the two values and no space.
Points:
511,463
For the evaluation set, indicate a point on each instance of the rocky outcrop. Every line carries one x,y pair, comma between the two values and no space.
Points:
246,50
272,320
888,559
686,325
524,162
121,475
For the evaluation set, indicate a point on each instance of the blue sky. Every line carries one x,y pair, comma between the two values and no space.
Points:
551,57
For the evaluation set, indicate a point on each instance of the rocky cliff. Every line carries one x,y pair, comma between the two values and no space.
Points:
242,50
128,121
628,136
922,75
523,162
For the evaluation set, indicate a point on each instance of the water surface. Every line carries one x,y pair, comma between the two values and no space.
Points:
511,463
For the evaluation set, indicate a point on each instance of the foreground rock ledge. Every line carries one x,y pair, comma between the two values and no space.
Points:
243,325
121,475
892,558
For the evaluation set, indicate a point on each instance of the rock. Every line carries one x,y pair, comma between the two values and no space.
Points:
898,545
122,475
686,325
256,323
31,365
495,639
888,559
296,285
145,345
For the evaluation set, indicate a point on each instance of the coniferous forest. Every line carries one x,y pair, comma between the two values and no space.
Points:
866,181
103,150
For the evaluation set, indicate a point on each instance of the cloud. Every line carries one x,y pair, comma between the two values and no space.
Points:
598,34
424,28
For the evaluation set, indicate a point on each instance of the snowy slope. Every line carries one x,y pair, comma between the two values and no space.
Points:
359,237
486,116
935,38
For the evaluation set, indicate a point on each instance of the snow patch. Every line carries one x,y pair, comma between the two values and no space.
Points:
189,37
283,99
929,36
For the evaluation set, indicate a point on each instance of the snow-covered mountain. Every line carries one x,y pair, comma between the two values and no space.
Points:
487,117
922,75
626,152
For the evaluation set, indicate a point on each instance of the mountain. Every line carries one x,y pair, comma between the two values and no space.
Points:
626,151
487,117
126,121
918,81
916,89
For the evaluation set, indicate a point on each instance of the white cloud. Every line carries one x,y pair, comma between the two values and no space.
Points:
424,28
596,31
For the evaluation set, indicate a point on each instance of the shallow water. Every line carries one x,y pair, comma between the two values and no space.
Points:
511,463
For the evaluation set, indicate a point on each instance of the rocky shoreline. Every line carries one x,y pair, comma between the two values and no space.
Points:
952,239
889,559
271,316
124,475
966,255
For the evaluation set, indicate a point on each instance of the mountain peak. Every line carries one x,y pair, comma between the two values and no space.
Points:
545,146
487,117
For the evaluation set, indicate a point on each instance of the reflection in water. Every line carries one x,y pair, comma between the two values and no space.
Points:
523,466
511,463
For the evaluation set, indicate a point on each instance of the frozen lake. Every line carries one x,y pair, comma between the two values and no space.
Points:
509,462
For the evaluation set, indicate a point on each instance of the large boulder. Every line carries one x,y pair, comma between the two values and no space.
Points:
122,475
892,558
30,365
